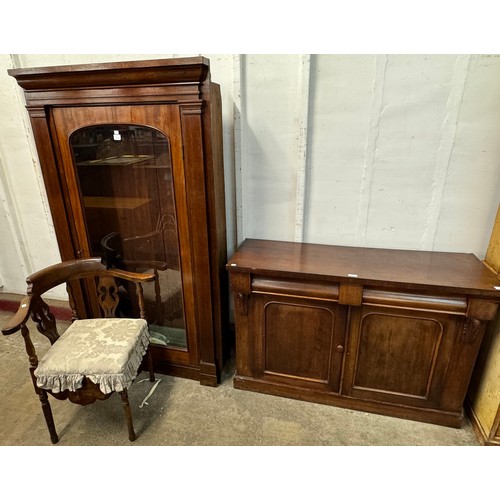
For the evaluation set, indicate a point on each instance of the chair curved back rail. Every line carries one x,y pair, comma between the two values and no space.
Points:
66,272
33,306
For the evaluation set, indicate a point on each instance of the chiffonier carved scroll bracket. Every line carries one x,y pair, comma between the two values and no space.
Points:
242,303
241,285
472,329
478,313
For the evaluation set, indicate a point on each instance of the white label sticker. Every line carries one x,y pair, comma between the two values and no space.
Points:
352,275
232,265
24,305
496,287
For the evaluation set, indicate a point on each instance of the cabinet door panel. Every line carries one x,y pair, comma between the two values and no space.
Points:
124,169
299,341
399,356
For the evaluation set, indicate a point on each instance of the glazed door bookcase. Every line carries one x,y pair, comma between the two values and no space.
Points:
131,155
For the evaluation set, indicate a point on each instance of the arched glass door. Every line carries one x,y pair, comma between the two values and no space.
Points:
126,187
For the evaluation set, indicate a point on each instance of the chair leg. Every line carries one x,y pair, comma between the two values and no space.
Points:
128,415
150,365
47,413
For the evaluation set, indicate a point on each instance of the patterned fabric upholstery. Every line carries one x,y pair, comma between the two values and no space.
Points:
108,351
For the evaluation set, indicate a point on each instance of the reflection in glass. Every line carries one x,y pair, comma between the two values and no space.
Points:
125,178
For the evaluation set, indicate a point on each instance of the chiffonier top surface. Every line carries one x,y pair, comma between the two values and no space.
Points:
448,271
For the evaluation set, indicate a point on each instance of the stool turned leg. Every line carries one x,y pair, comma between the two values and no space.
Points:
128,415
49,419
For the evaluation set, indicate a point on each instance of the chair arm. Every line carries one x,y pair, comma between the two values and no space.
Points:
19,319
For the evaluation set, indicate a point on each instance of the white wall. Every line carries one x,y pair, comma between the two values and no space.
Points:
397,151
27,238
402,151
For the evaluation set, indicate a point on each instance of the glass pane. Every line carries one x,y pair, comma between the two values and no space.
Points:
125,178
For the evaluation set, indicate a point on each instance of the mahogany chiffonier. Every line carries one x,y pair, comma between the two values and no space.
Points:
394,332
131,156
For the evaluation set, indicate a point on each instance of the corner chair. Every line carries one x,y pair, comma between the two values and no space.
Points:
94,357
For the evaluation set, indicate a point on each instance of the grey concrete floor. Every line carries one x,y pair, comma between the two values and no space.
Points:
181,412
